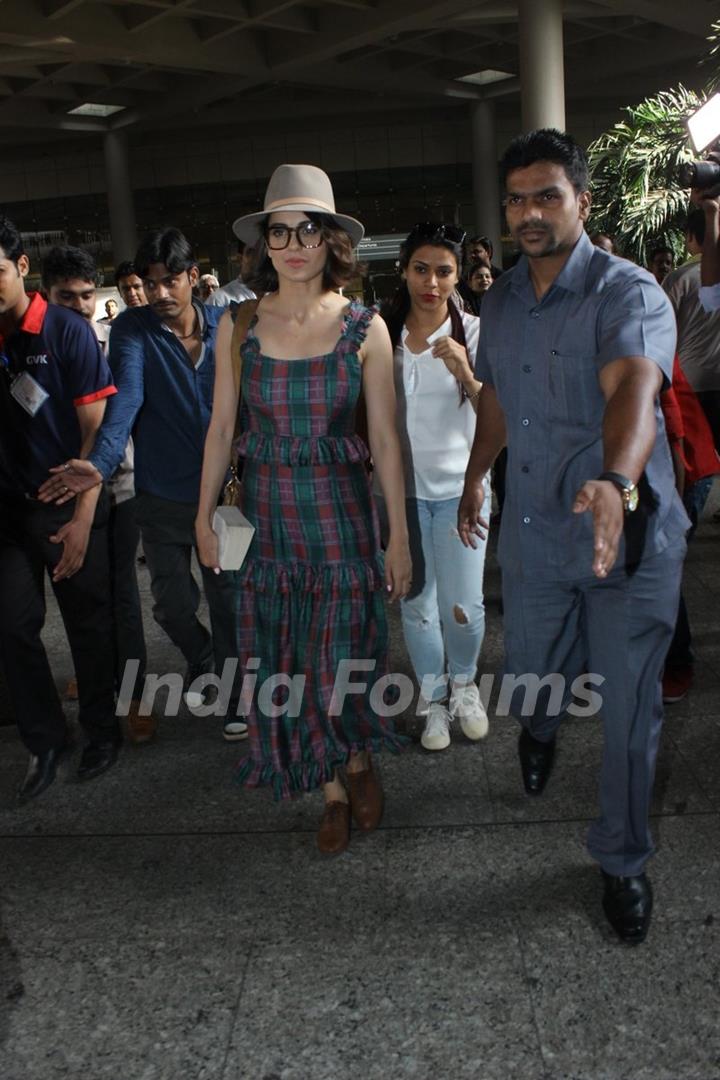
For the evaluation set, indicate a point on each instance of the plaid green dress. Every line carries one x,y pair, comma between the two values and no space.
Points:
311,591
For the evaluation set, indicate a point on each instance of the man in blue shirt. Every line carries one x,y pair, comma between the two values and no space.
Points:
54,384
163,364
575,346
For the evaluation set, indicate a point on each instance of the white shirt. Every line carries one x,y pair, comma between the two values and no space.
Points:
436,431
233,291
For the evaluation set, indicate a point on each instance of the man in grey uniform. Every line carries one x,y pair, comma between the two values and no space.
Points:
575,346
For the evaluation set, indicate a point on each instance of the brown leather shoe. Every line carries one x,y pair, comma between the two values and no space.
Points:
366,797
140,729
334,832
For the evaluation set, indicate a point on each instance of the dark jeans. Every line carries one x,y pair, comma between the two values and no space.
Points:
168,538
84,599
129,636
498,478
710,402
680,654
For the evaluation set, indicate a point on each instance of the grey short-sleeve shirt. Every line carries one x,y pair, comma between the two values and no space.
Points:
543,358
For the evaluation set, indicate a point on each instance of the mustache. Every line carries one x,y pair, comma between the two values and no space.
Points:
533,228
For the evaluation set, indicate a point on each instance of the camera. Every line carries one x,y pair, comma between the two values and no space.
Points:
704,130
699,174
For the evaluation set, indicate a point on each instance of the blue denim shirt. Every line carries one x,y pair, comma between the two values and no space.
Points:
543,359
162,400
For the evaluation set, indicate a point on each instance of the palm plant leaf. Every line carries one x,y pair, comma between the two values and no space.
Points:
634,167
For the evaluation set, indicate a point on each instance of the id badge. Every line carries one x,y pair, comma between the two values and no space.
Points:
28,393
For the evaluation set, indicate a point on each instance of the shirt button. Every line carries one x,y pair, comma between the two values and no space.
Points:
526,521
525,469
553,352
527,369
535,314
525,422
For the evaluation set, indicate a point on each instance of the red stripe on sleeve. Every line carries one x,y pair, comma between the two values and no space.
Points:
87,399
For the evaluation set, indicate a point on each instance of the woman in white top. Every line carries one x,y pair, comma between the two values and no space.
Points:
435,345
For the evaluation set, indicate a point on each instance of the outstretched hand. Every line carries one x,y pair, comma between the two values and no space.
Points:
604,502
68,480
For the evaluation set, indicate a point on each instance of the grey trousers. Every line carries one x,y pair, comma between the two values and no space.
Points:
168,539
619,628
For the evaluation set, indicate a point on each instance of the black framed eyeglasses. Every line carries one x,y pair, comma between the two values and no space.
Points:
436,230
309,235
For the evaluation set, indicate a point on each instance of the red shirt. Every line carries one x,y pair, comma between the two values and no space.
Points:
685,419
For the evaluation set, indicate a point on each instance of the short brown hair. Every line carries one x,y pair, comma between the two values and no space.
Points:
339,266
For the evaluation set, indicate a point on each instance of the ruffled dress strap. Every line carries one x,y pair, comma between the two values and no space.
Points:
356,321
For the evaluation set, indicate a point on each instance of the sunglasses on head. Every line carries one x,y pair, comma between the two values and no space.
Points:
435,230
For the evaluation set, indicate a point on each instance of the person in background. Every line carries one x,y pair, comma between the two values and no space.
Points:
604,241
236,291
480,249
111,310
661,262
68,278
696,463
434,347
207,285
129,284
480,279
698,330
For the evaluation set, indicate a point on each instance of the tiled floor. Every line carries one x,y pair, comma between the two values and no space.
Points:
161,924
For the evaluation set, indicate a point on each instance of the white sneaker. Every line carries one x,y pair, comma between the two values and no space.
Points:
436,735
466,706
234,730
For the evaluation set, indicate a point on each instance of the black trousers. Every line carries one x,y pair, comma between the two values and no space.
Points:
168,537
710,402
85,603
124,536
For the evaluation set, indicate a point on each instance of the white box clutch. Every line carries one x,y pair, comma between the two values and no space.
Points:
234,533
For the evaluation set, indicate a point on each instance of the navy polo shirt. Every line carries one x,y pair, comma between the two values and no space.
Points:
58,348
543,358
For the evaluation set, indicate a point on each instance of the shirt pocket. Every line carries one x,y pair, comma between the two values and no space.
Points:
574,393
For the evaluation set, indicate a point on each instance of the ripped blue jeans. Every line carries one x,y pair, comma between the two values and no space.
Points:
444,613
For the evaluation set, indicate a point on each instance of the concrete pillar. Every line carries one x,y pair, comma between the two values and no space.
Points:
542,72
486,191
119,194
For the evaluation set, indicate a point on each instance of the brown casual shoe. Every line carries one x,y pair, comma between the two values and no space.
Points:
334,832
71,693
366,797
140,729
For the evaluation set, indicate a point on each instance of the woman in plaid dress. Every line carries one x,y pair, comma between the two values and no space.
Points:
311,618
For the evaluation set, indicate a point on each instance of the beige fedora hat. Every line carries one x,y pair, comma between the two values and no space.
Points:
297,187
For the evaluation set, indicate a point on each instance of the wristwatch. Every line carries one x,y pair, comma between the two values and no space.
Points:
627,489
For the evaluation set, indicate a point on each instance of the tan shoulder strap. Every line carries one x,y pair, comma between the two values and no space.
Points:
243,318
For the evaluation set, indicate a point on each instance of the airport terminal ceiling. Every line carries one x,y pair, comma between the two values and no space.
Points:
171,65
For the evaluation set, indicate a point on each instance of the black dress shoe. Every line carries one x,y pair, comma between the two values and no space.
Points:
42,769
97,757
536,762
627,903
